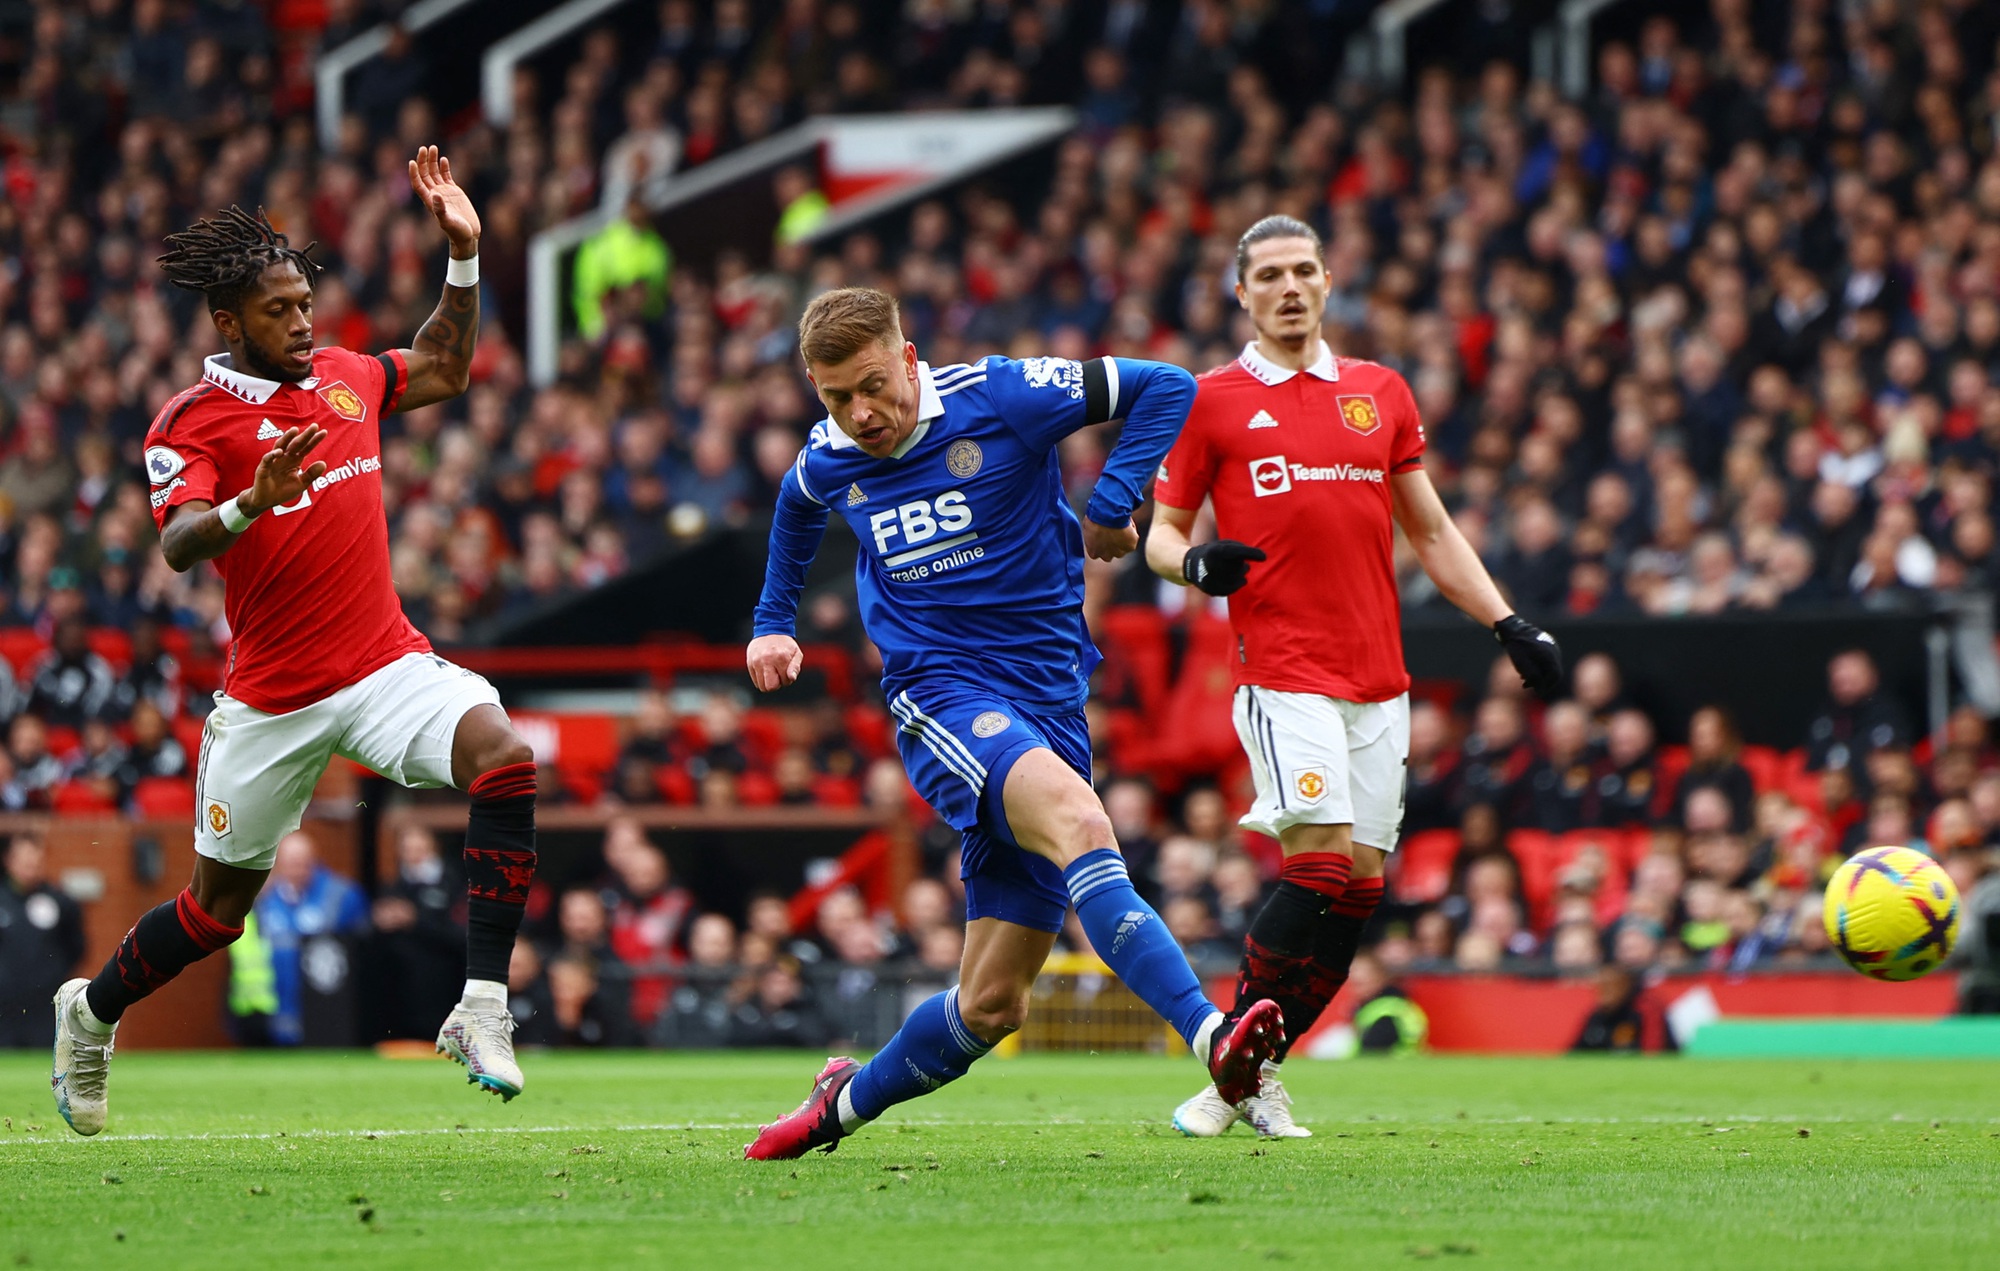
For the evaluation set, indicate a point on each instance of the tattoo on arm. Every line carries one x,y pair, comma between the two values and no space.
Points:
194,536
452,332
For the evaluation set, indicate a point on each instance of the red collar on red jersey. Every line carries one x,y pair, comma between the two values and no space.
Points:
217,370
1270,372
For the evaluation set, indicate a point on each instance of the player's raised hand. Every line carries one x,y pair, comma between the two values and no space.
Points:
281,478
1101,542
774,661
430,177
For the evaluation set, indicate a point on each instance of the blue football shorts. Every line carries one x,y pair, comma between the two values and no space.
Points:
959,742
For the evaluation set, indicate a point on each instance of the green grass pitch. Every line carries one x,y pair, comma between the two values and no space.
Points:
346,1160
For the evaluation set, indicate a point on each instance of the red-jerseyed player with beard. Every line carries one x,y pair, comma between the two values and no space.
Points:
1308,458
322,661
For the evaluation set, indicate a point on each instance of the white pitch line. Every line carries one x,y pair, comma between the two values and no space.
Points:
690,1126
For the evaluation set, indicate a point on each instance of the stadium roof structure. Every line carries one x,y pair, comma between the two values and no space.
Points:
868,165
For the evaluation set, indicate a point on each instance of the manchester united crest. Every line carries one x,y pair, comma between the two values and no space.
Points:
1310,783
217,813
1359,413
346,402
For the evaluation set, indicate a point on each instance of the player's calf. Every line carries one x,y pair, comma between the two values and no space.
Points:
165,941
499,867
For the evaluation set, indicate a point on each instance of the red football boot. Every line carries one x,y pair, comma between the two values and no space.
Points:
816,1123
1236,1056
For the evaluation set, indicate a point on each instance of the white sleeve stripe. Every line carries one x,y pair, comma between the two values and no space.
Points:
1111,384
799,471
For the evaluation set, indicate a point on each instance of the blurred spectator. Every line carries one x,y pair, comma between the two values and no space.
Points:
1858,716
646,927
41,941
304,916
1713,751
779,1012
418,950
70,683
1614,1024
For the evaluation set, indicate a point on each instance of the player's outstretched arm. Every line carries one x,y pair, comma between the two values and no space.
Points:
797,526
198,531
1462,577
440,362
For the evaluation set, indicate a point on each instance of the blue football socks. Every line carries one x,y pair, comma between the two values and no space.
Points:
932,1047
1135,943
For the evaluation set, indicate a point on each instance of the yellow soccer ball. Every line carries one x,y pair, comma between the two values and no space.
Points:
1892,912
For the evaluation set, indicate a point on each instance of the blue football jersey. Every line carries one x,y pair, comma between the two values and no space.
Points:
971,559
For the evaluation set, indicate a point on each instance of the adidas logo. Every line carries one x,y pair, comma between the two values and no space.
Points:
269,431
854,496
1131,922
1262,419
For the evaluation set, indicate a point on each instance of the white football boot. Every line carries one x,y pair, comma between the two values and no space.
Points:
1269,1111
82,1068
1206,1116
481,1036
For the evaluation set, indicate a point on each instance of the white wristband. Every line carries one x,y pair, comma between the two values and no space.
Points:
232,516
462,273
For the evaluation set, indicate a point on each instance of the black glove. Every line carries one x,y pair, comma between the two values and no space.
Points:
1535,654
1221,567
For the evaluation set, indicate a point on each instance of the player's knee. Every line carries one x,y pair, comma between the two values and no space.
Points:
993,1011
1078,826
505,751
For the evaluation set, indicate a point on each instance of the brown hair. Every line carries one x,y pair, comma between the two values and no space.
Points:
840,323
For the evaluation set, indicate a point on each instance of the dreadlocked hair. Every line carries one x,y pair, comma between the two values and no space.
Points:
223,257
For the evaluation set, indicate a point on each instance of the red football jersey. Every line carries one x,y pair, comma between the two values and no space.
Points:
306,588
1298,464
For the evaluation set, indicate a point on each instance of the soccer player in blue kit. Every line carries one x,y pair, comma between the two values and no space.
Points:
970,576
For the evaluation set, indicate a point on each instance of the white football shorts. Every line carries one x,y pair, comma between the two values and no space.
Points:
1323,761
257,771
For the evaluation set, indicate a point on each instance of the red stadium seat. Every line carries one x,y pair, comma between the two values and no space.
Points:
1423,863
164,799
80,798
868,727
763,736
22,648
187,731
836,792
113,645
1534,853
1137,654
674,783
1766,766
756,790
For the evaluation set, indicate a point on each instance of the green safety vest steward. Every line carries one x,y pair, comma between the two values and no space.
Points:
617,256
802,216
253,982
1412,1025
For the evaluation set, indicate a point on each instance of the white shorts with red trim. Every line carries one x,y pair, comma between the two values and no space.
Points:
1323,761
257,771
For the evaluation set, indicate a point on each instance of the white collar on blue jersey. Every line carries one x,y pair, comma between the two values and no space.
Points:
1271,373
218,370
929,406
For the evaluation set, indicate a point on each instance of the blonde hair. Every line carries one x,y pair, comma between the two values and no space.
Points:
840,323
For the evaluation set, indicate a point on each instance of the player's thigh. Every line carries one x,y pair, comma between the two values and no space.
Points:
1051,810
254,777
401,721
1298,748
997,974
1377,763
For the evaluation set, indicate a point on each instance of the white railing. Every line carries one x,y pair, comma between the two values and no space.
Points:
330,71
1575,18
496,68
1391,25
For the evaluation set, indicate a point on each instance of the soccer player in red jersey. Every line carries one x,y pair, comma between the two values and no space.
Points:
322,661
1308,459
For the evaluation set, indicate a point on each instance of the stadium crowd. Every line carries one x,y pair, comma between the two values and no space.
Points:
1722,335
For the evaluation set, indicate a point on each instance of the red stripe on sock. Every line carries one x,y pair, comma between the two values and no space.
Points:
208,934
509,782
1323,872
1360,898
